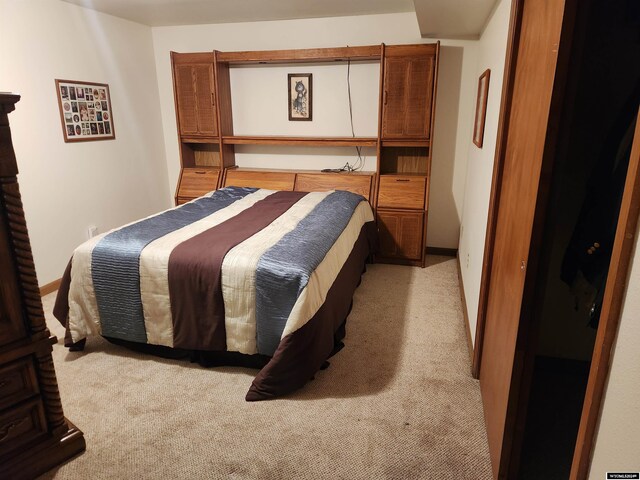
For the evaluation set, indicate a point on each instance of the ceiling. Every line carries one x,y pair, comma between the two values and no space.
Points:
441,18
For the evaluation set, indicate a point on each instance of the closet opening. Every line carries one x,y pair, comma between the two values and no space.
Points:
595,132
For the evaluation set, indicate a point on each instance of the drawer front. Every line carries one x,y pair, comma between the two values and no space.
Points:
20,425
269,180
401,234
321,182
196,182
17,382
398,191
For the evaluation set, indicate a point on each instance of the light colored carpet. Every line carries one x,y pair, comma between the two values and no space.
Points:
398,402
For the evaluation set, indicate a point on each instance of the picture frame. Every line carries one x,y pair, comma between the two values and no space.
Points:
85,111
481,108
300,90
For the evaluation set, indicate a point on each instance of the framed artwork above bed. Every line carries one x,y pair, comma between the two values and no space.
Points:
300,96
85,111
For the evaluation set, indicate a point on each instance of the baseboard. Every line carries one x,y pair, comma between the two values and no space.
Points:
50,287
463,298
445,252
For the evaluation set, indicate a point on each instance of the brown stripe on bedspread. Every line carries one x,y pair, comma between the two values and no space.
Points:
301,354
195,273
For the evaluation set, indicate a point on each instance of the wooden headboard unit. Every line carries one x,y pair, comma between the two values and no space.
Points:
398,190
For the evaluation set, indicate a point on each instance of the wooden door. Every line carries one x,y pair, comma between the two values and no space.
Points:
195,99
400,234
12,326
408,92
526,138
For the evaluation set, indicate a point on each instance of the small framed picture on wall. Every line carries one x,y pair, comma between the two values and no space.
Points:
300,89
85,111
481,108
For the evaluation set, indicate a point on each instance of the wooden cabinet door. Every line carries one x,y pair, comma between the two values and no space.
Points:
12,325
400,234
408,94
526,139
195,86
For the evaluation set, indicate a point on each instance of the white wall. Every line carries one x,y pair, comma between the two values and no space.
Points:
266,86
68,186
617,443
491,54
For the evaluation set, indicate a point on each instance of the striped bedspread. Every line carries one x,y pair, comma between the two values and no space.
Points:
238,270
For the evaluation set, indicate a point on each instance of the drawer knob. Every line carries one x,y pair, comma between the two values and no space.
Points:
200,172
402,180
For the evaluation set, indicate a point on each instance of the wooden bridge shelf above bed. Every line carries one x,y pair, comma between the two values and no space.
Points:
304,141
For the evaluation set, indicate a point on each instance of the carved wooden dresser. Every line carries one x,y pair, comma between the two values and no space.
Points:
34,434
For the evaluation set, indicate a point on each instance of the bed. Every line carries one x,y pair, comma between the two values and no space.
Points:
240,276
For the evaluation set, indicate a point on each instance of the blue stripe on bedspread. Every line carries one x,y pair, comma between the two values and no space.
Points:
284,270
116,258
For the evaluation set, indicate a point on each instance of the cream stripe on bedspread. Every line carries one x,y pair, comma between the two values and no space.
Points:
154,268
315,292
83,318
239,274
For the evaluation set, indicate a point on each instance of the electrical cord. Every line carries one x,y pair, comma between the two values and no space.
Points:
360,164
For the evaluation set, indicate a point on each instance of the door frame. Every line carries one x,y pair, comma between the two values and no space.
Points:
513,39
617,277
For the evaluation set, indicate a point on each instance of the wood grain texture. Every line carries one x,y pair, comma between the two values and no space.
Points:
407,78
192,57
20,425
303,141
194,89
533,86
321,182
408,90
465,314
414,50
200,155
12,327
515,22
400,234
404,159
186,99
223,94
196,182
271,180
302,55
50,287
402,191
32,417
17,382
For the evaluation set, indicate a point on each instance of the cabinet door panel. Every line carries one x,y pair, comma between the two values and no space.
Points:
207,122
396,77
186,100
408,92
417,121
12,326
400,234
